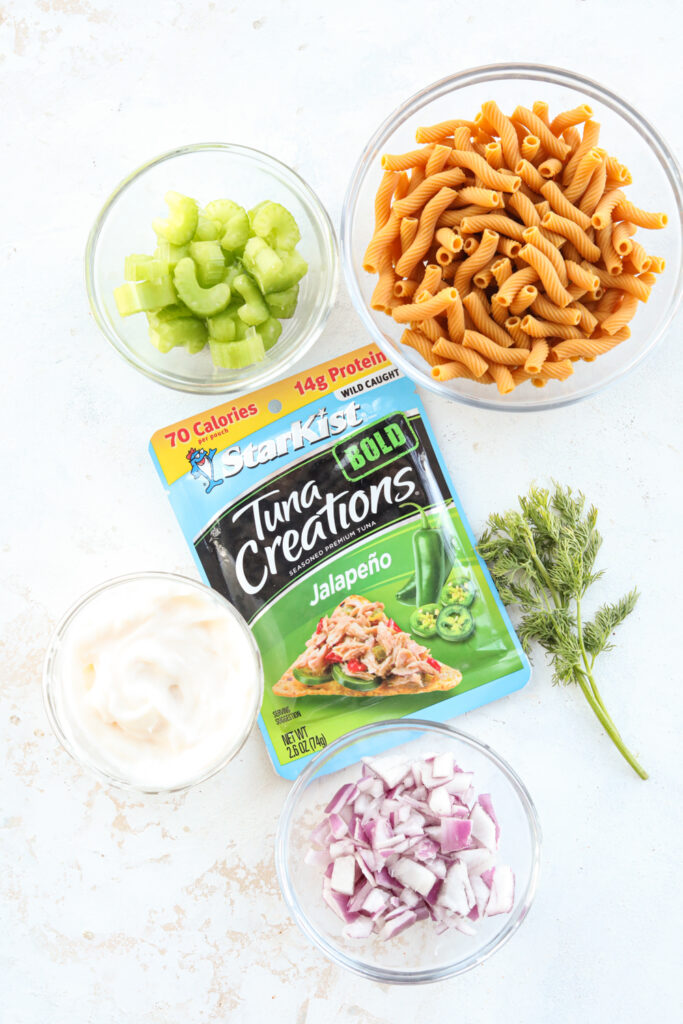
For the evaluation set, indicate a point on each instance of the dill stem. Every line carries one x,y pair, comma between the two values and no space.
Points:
584,658
606,721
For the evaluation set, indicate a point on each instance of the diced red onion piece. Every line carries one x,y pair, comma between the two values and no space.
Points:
338,903
344,875
460,783
361,928
342,848
454,834
483,828
347,794
440,801
502,895
443,766
414,875
484,799
338,826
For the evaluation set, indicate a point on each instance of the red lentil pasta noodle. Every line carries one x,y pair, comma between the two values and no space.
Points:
505,246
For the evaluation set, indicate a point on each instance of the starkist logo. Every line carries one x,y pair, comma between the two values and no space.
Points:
319,426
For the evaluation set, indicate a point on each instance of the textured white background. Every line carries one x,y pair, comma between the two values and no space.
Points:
167,911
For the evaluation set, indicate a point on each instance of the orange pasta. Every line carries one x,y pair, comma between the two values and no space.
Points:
494,353
424,308
504,128
427,189
494,222
576,235
556,147
491,179
591,135
469,267
533,236
437,132
547,310
621,237
603,213
493,154
471,359
540,263
561,205
477,307
621,316
425,232
529,148
529,175
525,296
537,356
437,160
421,344
505,246
627,211
569,118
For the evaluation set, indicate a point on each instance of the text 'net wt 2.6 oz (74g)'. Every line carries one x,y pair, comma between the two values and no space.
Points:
321,508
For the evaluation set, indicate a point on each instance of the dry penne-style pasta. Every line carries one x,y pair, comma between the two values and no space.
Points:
505,245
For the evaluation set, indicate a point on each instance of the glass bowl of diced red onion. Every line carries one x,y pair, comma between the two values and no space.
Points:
408,851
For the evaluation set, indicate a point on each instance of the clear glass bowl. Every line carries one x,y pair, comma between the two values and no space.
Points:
625,133
56,705
208,171
418,954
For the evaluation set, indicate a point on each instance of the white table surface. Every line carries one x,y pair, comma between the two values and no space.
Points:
118,909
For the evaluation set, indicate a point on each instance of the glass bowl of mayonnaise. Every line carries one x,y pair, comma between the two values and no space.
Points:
152,682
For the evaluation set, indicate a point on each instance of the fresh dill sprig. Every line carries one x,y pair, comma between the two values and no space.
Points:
542,560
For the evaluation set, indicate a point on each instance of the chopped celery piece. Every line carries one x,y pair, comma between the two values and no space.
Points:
208,229
161,316
186,331
181,224
270,331
202,301
222,326
241,329
264,264
254,311
142,296
144,268
234,222
273,222
283,304
294,266
210,262
236,354
171,254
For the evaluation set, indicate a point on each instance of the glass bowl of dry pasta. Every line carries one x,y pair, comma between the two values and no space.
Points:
511,237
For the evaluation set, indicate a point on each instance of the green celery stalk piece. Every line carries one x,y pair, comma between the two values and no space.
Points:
270,330
294,266
275,224
204,302
143,296
264,264
208,229
159,316
210,262
234,355
171,254
234,222
186,331
222,326
254,311
283,304
139,267
181,224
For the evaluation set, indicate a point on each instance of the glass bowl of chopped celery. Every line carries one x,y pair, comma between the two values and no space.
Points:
408,852
212,268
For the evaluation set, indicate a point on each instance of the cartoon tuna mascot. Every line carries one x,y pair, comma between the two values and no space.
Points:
202,465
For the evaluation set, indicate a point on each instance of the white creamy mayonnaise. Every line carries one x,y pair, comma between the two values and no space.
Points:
157,681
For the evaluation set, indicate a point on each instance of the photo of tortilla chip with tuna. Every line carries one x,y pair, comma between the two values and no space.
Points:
357,651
